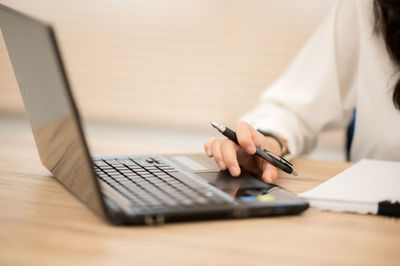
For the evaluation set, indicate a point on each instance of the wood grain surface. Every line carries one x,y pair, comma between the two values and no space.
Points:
43,224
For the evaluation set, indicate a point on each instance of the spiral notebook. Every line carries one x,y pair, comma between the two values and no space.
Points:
367,187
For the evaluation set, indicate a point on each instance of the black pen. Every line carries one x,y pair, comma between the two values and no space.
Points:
271,157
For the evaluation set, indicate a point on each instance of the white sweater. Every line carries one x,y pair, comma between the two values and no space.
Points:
344,65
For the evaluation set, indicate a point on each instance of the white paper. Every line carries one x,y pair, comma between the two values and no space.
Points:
359,188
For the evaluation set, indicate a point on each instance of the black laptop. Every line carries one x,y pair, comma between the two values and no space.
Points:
132,189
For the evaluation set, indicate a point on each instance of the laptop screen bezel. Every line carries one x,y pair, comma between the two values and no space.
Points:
99,206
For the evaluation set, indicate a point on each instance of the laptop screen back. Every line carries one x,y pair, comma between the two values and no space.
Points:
49,105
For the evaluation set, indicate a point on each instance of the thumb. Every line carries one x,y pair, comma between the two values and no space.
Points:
270,173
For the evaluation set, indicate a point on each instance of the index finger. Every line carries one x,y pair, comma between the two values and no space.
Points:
245,136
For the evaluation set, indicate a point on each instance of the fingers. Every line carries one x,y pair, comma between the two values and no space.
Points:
270,173
229,150
248,138
208,146
245,136
224,153
217,154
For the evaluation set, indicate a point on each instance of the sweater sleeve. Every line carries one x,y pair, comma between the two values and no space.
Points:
316,92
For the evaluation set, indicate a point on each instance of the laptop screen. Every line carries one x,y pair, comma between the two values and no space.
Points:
49,104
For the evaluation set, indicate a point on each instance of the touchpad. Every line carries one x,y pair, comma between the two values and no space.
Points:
241,187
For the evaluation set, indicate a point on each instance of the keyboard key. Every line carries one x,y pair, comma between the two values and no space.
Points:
142,162
100,163
150,160
112,162
126,162
151,183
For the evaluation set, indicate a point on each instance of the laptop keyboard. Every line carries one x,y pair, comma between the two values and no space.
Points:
151,182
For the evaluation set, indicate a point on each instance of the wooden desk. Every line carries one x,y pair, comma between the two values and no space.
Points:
43,224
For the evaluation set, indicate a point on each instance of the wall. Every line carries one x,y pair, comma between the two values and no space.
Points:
176,62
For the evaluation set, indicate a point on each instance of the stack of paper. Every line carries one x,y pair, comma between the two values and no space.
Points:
359,188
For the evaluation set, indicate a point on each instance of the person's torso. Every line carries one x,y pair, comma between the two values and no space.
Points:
377,126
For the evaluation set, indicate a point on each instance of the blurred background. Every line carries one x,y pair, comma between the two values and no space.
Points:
138,68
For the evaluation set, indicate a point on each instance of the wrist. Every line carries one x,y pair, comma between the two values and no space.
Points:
281,141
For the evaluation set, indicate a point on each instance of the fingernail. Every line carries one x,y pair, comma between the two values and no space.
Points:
234,170
221,165
250,149
208,152
266,179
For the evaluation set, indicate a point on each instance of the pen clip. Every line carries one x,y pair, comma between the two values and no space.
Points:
277,156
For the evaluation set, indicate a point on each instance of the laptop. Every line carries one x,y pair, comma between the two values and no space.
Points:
130,189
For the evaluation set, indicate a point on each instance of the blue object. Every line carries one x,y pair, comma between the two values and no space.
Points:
248,198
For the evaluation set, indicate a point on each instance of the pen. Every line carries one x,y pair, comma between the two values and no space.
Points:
271,157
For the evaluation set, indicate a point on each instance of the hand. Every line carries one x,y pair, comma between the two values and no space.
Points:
229,155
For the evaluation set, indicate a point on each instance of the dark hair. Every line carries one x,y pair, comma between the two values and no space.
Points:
387,22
